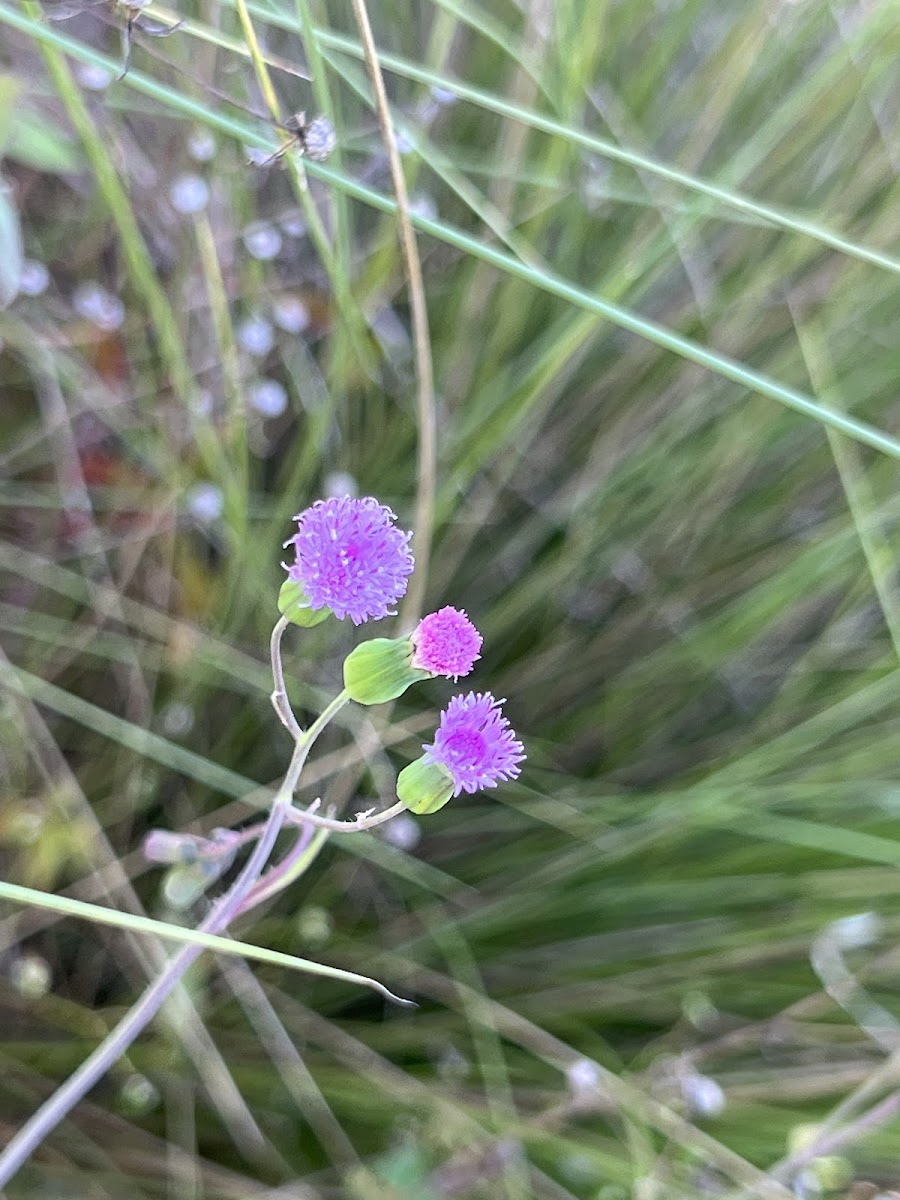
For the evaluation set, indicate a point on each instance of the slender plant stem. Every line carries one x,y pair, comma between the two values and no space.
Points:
112,1047
366,820
427,458
95,1066
305,818
280,701
318,233
294,864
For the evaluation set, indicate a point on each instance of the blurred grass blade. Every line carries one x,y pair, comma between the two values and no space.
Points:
12,255
608,149
68,907
754,381
10,92
12,252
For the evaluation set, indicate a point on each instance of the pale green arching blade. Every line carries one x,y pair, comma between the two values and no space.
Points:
68,907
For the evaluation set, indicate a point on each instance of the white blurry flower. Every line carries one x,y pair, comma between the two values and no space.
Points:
93,77
704,1096
205,502
262,241
423,206
293,223
443,95
290,313
177,719
256,336
138,1095
189,194
583,1076
340,483
268,398
403,832
34,279
405,144
31,976
201,145
314,925
93,302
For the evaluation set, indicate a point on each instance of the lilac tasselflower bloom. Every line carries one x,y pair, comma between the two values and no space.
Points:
475,743
351,558
445,643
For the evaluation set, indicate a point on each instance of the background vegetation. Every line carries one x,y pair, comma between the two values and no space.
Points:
656,242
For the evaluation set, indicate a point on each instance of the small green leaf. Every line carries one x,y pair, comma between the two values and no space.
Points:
183,886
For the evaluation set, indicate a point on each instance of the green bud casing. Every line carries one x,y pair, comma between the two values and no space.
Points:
424,786
293,604
380,670
183,886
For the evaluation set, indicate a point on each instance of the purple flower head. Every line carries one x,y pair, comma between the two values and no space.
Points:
475,743
446,643
351,558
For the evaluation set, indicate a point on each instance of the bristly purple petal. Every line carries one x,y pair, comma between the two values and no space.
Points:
351,558
475,743
446,643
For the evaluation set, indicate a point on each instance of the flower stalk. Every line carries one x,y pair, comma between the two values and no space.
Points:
351,561
95,1066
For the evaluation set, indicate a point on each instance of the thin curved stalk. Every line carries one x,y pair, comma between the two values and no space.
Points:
95,1066
427,457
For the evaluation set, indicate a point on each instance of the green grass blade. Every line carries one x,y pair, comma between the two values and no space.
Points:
68,907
